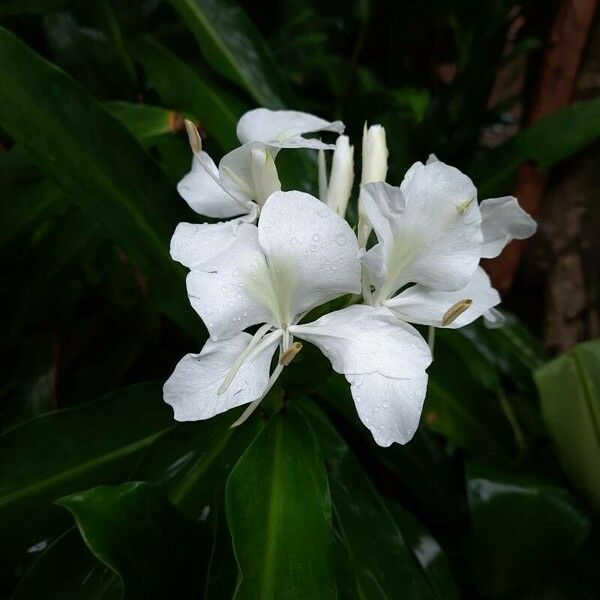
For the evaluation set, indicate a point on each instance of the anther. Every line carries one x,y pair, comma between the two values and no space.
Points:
288,356
193,136
462,206
455,311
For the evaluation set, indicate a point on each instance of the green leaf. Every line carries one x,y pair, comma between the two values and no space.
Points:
183,88
521,528
233,47
69,450
69,571
145,122
18,7
279,512
548,141
99,163
136,531
382,564
570,396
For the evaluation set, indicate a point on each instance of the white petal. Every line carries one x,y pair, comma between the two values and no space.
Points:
193,244
315,249
390,408
493,319
503,220
283,128
424,306
192,388
362,339
435,225
220,290
201,189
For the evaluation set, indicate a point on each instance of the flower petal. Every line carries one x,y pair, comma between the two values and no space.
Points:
503,220
284,128
362,339
435,227
201,189
316,247
220,289
390,408
424,306
192,388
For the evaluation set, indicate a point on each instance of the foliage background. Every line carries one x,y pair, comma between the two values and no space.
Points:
101,494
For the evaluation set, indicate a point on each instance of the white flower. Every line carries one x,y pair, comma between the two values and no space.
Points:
243,181
431,236
301,255
342,176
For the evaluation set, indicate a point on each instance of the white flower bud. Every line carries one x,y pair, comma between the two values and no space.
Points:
342,176
264,174
374,154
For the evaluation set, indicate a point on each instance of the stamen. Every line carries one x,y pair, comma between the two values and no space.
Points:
240,359
455,311
193,137
462,206
288,356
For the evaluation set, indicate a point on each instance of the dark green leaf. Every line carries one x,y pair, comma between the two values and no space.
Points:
279,512
180,87
69,571
521,528
99,163
62,452
243,57
136,531
382,564
570,395
17,7
548,141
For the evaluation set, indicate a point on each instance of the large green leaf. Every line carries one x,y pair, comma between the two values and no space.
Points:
548,141
233,47
99,163
69,450
137,532
570,396
69,571
521,527
383,566
183,88
279,514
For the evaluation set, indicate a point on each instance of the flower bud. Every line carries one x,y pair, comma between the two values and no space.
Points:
342,176
264,174
374,154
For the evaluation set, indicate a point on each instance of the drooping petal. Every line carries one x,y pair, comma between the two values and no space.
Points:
436,229
389,407
503,220
424,306
192,388
201,189
311,246
193,244
284,128
362,339
493,319
221,290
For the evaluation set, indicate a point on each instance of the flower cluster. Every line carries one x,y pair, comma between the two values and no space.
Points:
283,253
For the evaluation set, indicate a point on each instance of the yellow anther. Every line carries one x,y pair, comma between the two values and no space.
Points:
455,311
462,206
288,356
193,137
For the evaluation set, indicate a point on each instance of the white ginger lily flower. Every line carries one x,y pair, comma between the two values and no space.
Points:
243,181
431,235
301,255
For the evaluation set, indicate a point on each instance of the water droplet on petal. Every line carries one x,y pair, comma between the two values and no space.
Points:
316,237
340,240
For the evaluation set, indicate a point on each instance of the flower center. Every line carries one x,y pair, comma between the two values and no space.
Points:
404,249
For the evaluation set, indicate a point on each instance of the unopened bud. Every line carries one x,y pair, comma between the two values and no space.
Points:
455,311
374,154
342,176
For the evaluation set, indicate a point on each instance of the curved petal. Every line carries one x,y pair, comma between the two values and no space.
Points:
192,388
424,306
503,220
362,339
201,189
435,228
316,248
283,128
390,408
221,290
